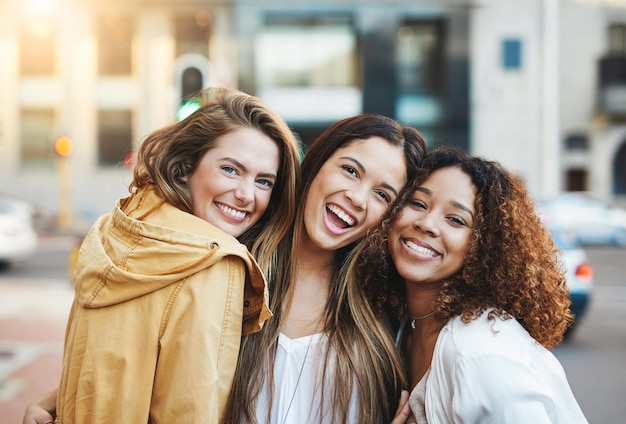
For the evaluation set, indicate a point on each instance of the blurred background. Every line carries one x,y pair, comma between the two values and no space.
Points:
539,85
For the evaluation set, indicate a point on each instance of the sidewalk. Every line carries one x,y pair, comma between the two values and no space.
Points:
32,327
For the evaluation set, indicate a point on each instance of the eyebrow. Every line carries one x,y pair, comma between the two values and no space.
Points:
452,202
242,166
362,168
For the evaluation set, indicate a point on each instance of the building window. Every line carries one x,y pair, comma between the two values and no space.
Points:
512,54
617,39
114,45
420,72
619,171
36,136
307,67
192,33
576,180
306,53
114,136
576,142
37,49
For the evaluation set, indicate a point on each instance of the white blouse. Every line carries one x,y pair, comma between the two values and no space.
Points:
297,383
493,372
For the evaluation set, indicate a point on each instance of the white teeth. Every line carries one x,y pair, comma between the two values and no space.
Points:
420,250
232,212
341,215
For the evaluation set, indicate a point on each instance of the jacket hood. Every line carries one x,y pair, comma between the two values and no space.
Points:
144,245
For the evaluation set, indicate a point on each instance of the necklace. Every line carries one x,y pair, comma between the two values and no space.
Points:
298,380
413,319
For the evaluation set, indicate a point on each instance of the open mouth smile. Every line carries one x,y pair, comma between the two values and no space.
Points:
339,217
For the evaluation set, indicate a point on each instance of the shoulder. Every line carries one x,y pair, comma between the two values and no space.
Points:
486,336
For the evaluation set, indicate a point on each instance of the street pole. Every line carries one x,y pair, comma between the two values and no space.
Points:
550,164
63,147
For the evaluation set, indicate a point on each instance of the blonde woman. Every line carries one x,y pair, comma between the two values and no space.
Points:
164,286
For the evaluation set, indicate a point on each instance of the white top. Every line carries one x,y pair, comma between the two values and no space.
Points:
297,383
495,372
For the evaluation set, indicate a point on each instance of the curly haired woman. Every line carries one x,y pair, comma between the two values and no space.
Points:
475,278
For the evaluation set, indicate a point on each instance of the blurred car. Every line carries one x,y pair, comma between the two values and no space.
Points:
579,275
590,219
18,238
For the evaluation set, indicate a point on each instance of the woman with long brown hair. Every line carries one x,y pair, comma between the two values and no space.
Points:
324,358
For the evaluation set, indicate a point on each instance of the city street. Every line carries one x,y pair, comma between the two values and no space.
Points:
594,358
35,297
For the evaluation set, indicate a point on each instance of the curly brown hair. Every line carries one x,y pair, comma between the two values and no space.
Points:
512,264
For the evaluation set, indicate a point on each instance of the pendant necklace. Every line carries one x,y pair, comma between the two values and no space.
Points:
306,354
413,319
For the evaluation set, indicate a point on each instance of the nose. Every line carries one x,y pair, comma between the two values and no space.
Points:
357,196
244,193
426,223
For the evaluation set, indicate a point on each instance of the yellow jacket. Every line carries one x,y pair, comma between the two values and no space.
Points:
153,334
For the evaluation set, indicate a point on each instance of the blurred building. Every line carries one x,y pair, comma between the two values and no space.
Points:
537,84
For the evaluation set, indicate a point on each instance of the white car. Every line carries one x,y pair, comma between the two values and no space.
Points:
579,275
590,219
18,238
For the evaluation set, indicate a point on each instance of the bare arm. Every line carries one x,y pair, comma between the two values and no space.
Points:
43,410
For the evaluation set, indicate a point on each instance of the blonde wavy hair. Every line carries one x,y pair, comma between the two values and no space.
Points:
169,154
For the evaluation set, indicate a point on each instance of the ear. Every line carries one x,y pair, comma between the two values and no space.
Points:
184,178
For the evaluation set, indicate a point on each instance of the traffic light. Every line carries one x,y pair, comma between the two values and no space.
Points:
63,146
191,81
187,108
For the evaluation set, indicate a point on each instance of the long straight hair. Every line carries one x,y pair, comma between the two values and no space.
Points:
365,354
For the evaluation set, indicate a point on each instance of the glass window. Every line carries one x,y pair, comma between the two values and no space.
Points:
576,142
193,33
575,180
37,48
617,39
512,54
307,55
36,136
420,67
307,67
114,45
114,136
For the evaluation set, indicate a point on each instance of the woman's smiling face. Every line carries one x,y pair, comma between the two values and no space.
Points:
232,185
429,240
352,191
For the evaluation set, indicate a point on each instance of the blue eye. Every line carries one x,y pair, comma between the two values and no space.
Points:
266,183
229,169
